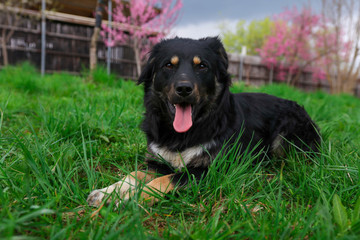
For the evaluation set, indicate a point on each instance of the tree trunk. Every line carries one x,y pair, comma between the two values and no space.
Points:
95,36
3,48
297,76
5,37
137,56
289,77
271,76
93,49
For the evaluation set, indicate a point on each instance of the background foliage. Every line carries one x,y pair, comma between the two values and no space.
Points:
325,42
252,35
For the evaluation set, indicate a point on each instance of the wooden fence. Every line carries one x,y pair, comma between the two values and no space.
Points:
67,49
67,44
253,71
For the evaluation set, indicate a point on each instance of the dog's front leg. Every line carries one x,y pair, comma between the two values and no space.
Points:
155,188
122,187
167,183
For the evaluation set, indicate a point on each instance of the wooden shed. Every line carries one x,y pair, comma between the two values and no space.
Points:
69,27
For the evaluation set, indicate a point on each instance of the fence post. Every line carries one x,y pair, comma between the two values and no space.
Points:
108,60
43,36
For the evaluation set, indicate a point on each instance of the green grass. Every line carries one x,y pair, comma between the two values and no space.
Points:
62,136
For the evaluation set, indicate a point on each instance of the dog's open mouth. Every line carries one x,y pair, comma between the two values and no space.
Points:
183,117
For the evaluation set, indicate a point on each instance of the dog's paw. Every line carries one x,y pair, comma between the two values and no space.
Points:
96,197
120,192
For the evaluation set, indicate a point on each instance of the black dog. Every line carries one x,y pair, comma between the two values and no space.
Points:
190,114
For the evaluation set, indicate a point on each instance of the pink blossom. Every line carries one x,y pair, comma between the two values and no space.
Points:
302,39
141,23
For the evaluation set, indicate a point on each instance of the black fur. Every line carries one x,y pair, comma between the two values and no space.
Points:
217,114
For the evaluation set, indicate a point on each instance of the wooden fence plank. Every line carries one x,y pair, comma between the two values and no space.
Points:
67,45
257,73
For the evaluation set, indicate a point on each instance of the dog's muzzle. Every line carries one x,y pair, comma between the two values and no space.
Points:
181,105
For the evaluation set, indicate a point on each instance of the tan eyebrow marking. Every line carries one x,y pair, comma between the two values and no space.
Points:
174,60
196,60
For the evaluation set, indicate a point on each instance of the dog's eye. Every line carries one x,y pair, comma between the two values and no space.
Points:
202,66
169,66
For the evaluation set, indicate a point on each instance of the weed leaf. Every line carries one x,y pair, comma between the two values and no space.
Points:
356,212
340,214
355,227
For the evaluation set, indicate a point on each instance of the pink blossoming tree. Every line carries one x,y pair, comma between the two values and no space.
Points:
301,40
141,23
343,73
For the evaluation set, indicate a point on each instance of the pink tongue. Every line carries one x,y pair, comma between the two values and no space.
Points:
182,121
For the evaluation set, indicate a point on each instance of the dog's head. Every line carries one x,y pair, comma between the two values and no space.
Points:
186,77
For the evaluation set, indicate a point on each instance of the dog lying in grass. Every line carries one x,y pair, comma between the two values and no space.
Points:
190,114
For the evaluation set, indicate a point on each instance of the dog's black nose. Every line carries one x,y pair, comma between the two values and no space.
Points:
184,89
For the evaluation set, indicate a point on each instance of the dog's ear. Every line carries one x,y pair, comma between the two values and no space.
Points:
148,71
217,47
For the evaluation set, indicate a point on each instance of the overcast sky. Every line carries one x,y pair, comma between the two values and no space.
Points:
201,18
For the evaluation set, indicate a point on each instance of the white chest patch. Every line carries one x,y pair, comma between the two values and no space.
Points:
180,159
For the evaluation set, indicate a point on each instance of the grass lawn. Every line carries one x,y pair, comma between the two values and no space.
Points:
62,136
